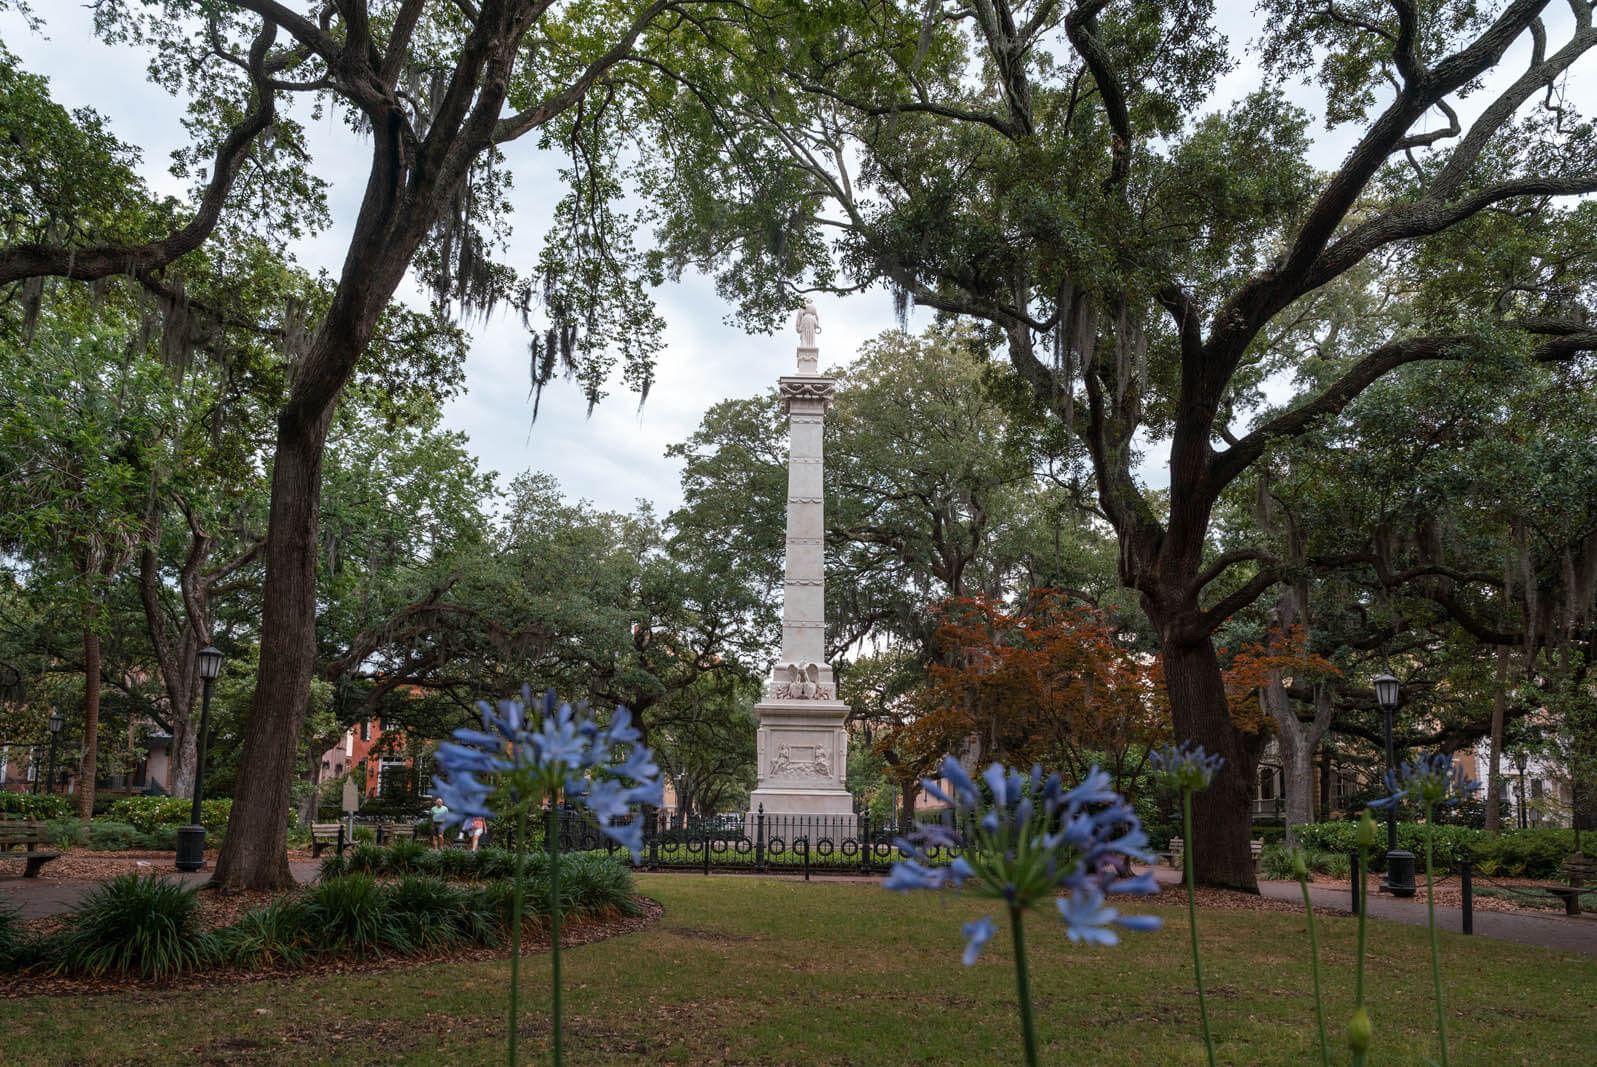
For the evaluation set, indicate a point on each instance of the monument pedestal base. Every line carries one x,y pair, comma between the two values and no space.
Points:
803,753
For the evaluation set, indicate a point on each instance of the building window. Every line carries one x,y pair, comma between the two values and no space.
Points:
366,730
393,778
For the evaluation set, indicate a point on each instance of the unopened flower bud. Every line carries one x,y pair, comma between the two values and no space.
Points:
1367,831
1359,1030
1300,866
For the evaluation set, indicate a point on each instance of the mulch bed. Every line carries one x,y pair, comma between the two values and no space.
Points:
220,910
82,865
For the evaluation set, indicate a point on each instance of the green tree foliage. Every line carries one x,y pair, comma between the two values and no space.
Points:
1056,171
439,89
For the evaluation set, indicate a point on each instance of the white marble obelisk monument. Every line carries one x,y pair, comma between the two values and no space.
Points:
802,748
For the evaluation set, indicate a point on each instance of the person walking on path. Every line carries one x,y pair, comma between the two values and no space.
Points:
479,826
439,814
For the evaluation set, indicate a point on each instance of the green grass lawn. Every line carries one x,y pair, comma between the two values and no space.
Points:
746,970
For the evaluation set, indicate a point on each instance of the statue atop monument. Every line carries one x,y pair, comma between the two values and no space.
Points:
808,324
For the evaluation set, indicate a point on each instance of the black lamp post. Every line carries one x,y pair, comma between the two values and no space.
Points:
191,838
1399,862
56,722
1520,760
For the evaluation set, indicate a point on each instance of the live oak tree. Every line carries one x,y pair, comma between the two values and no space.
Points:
1052,168
1454,512
436,88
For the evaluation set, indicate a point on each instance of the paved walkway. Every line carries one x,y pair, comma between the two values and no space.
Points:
1570,933
35,898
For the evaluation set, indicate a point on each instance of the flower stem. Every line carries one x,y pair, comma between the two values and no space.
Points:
1023,985
1364,907
1436,955
515,934
554,922
1314,967
1192,918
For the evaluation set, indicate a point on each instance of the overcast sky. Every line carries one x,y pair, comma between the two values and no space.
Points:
616,456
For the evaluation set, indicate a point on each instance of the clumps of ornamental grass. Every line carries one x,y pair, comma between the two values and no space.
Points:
276,936
352,916
136,925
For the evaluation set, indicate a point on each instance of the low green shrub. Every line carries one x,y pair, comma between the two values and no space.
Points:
108,835
1537,852
1331,864
495,899
493,863
278,935
12,938
147,813
38,806
134,924
164,839
407,857
1275,863
353,915
67,832
366,858
428,909
333,866
480,919
455,863
600,885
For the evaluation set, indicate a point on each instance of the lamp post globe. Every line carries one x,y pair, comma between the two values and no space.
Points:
56,722
191,838
1399,862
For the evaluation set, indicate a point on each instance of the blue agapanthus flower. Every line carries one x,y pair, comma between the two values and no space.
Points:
1430,781
1034,838
516,762
1187,766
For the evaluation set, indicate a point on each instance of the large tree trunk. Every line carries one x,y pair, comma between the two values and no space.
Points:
91,719
907,794
254,855
1295,740
185,734
1220,814
1494,791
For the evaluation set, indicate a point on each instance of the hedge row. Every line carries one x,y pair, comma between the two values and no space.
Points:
1538,852
36,805
148,813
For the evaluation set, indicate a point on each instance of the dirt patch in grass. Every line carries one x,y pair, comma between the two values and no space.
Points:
1230,900
706,935
535,939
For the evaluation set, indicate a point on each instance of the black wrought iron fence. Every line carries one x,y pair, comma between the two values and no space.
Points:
789,844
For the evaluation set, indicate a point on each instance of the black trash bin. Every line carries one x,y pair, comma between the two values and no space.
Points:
1399,873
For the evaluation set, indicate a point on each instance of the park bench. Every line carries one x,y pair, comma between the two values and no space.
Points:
323,835
389,832
1178,849
1577,869
30,835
